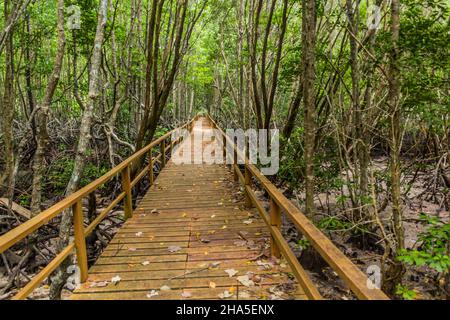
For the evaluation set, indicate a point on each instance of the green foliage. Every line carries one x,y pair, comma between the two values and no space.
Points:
333,223
405,293
25,200
303,244
160,131
433,250
202,112
60,171
426,60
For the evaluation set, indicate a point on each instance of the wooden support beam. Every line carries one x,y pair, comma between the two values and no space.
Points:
151,176
80,240
163,153
247,176
126,187
275,221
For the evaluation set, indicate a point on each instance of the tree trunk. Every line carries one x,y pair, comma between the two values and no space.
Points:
7,178
43,113
309,45
82,148
395,269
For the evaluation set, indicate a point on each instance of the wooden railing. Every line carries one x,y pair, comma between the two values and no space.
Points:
74,201
354,278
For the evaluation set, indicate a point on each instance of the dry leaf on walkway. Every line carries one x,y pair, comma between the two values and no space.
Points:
139,234
212,285
174,249
100,284
205,240
231,272
240,243
250,221
165,288
152,293
132,249
265,265
246,281
145,263
116,280
186,294
214,264
225,294
155,212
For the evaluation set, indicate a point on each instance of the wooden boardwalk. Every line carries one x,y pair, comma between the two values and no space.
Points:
186,239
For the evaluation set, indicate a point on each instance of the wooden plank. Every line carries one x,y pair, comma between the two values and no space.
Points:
193,202
343,266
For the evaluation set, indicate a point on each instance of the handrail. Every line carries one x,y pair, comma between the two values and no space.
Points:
74,200
354,278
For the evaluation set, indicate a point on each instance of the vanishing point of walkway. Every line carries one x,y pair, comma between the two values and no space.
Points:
191,238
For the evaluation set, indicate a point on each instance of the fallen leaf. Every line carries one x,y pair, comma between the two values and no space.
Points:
174,249
265,265
205,240
165,288
184,215
152,293
186,294
224,227
132,249
155,211
212,285
240,243
245,281
231,272
225,294
214,264
116,280
145,263
139,234
100,284
213,216
250,221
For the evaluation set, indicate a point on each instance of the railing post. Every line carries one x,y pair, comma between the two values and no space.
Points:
248,175
126,187
163,153
80,240
225,150
150,168
275,221
235,162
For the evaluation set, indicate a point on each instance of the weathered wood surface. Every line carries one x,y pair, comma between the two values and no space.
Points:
199,211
